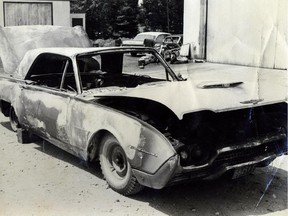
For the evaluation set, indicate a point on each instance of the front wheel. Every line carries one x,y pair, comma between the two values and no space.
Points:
116,168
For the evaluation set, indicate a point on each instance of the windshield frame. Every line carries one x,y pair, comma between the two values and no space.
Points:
124,50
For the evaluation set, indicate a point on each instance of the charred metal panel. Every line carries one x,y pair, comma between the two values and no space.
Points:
88,118
241,135
53,111
29,108
200,136
44,112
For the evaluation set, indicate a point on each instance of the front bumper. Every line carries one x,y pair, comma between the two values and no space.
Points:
254,154
213,173
159,179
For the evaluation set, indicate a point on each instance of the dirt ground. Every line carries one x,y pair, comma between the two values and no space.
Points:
41,179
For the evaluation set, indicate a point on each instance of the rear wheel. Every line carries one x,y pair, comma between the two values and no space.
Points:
14,123
116,168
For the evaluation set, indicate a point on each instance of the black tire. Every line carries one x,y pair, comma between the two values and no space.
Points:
116,168
14,123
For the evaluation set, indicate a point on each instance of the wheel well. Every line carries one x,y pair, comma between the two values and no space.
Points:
94,144
5,107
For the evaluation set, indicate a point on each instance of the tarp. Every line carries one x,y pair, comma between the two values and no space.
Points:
15,41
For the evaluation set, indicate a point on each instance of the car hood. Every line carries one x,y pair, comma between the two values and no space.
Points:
211,93
15,41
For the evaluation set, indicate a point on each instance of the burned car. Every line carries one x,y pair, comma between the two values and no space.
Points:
145,125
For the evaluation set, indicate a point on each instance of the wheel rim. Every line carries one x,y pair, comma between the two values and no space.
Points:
116,168
117,161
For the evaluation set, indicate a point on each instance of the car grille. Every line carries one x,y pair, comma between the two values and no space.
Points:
246,154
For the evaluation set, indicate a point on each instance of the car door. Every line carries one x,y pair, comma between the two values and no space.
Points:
52,92
52,113
27,107
45,111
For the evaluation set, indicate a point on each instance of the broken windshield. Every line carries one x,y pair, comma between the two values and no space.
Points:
121,69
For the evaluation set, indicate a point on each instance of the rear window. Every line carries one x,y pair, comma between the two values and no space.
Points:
47,63
48,71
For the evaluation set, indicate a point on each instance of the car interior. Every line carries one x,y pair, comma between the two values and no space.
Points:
95,71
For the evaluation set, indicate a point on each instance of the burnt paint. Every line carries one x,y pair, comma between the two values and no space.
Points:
88,118
206,131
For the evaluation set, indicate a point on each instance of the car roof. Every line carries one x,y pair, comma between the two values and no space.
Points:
175,35
65,51
70,52
74,51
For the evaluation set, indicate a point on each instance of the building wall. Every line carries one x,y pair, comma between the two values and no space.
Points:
194,30
1,13
61,11
244,32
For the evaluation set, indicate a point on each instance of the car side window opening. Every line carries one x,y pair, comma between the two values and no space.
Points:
68,81
120,69
53,71
90,71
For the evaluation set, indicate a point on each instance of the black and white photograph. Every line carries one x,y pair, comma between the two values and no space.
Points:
143,107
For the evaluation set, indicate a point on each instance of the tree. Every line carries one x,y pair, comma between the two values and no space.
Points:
162,15
126,23
106,18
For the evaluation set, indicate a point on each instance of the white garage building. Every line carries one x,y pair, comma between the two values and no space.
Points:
242,32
